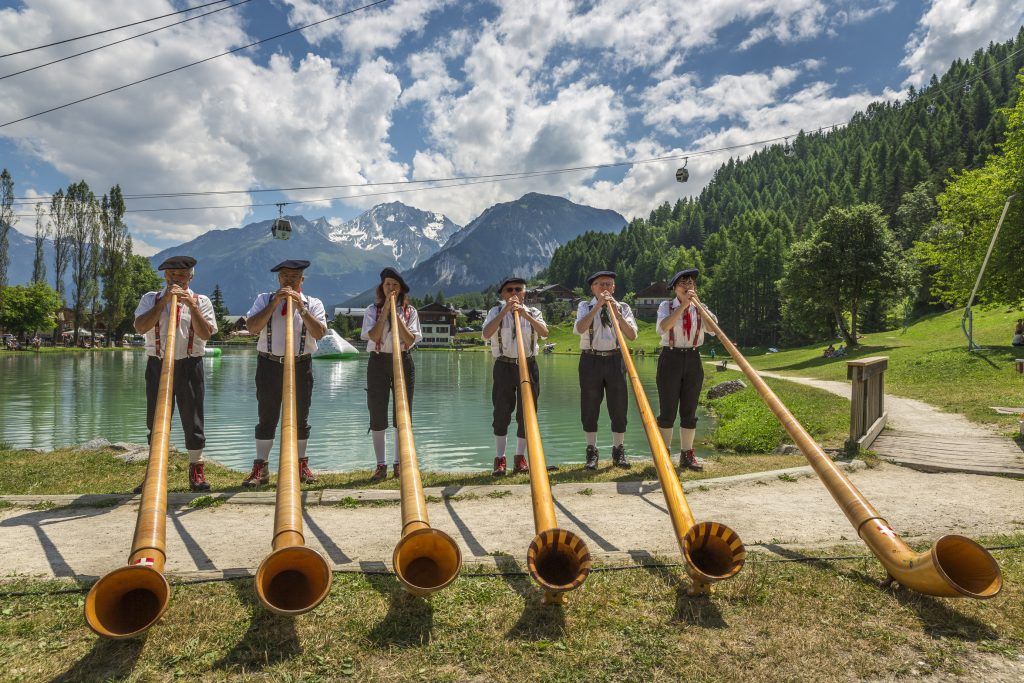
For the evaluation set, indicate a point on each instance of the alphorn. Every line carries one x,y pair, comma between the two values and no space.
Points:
425,559
713,552
557,559
954,567
128,600
293,579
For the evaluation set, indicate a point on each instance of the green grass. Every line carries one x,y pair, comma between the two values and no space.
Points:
929,361
76,472
795,621
747,426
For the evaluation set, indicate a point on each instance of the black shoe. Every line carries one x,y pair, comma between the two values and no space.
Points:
592,458
138,489
619,457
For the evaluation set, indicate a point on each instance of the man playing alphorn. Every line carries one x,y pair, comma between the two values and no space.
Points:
602,371
680,372
499,328
310,324
196,323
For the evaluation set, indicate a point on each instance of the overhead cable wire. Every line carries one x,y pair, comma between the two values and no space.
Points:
108,30
195,63
123,40
493,177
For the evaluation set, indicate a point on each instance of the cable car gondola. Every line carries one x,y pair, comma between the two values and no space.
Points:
281,228
682,175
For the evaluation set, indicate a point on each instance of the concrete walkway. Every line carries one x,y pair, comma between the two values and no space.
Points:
923,437
619,522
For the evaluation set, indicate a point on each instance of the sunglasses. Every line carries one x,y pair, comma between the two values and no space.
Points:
514,289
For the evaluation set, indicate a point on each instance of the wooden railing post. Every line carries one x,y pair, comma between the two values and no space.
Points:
867,400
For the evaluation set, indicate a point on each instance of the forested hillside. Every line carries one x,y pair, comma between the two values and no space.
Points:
744,223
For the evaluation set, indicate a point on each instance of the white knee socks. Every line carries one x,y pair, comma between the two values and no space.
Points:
520,446
378,446
263,447
618,438
302,443
686,438
195,455
591,438
499,445
666,435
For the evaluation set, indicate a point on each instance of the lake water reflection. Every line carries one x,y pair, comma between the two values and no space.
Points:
49,400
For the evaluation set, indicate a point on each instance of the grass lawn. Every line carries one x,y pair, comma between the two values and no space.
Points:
777,620
747,426
929,361
76,472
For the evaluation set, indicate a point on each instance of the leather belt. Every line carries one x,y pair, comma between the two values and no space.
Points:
679,349
591,352
280,359
513,361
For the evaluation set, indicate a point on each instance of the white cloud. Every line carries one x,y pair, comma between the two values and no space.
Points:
364,32
952,29
230,123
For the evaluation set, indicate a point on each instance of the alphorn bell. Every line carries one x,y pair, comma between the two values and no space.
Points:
292,579
713,552
425,559
954,567
128,600
558,559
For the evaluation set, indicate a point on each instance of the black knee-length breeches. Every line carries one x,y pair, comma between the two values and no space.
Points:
380,381
680,376
269,380
189,392
602,376
505,395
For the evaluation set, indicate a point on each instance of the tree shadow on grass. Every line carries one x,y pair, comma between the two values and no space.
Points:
938,619
410,619
698,610
270,638
538,621
107,660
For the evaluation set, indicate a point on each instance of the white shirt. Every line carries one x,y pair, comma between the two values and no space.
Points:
682,338
412,322
276,330
181,340
503,342
603,335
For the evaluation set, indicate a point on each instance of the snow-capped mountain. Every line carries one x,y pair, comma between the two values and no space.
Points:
408,234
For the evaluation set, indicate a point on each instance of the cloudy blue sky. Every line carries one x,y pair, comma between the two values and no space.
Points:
416,89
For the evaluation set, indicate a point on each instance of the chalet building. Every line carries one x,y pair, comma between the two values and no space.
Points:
649,298
474,315
355,315
236,326
549,293
437,322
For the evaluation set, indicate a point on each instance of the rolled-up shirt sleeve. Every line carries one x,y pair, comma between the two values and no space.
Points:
627,315
414,326
369,320
206,309
258,305
316,309
714,317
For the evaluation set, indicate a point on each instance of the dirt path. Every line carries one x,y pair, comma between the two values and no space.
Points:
77,541
921,436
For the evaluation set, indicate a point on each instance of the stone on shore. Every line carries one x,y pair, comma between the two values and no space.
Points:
725,388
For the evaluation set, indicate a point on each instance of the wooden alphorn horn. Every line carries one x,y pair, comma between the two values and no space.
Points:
293,579
128,600
713,552
558,559
954,567
425,559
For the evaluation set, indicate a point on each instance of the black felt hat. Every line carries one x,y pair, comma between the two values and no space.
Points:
509,280
681,274
294,264
394,275
600,273
177,263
